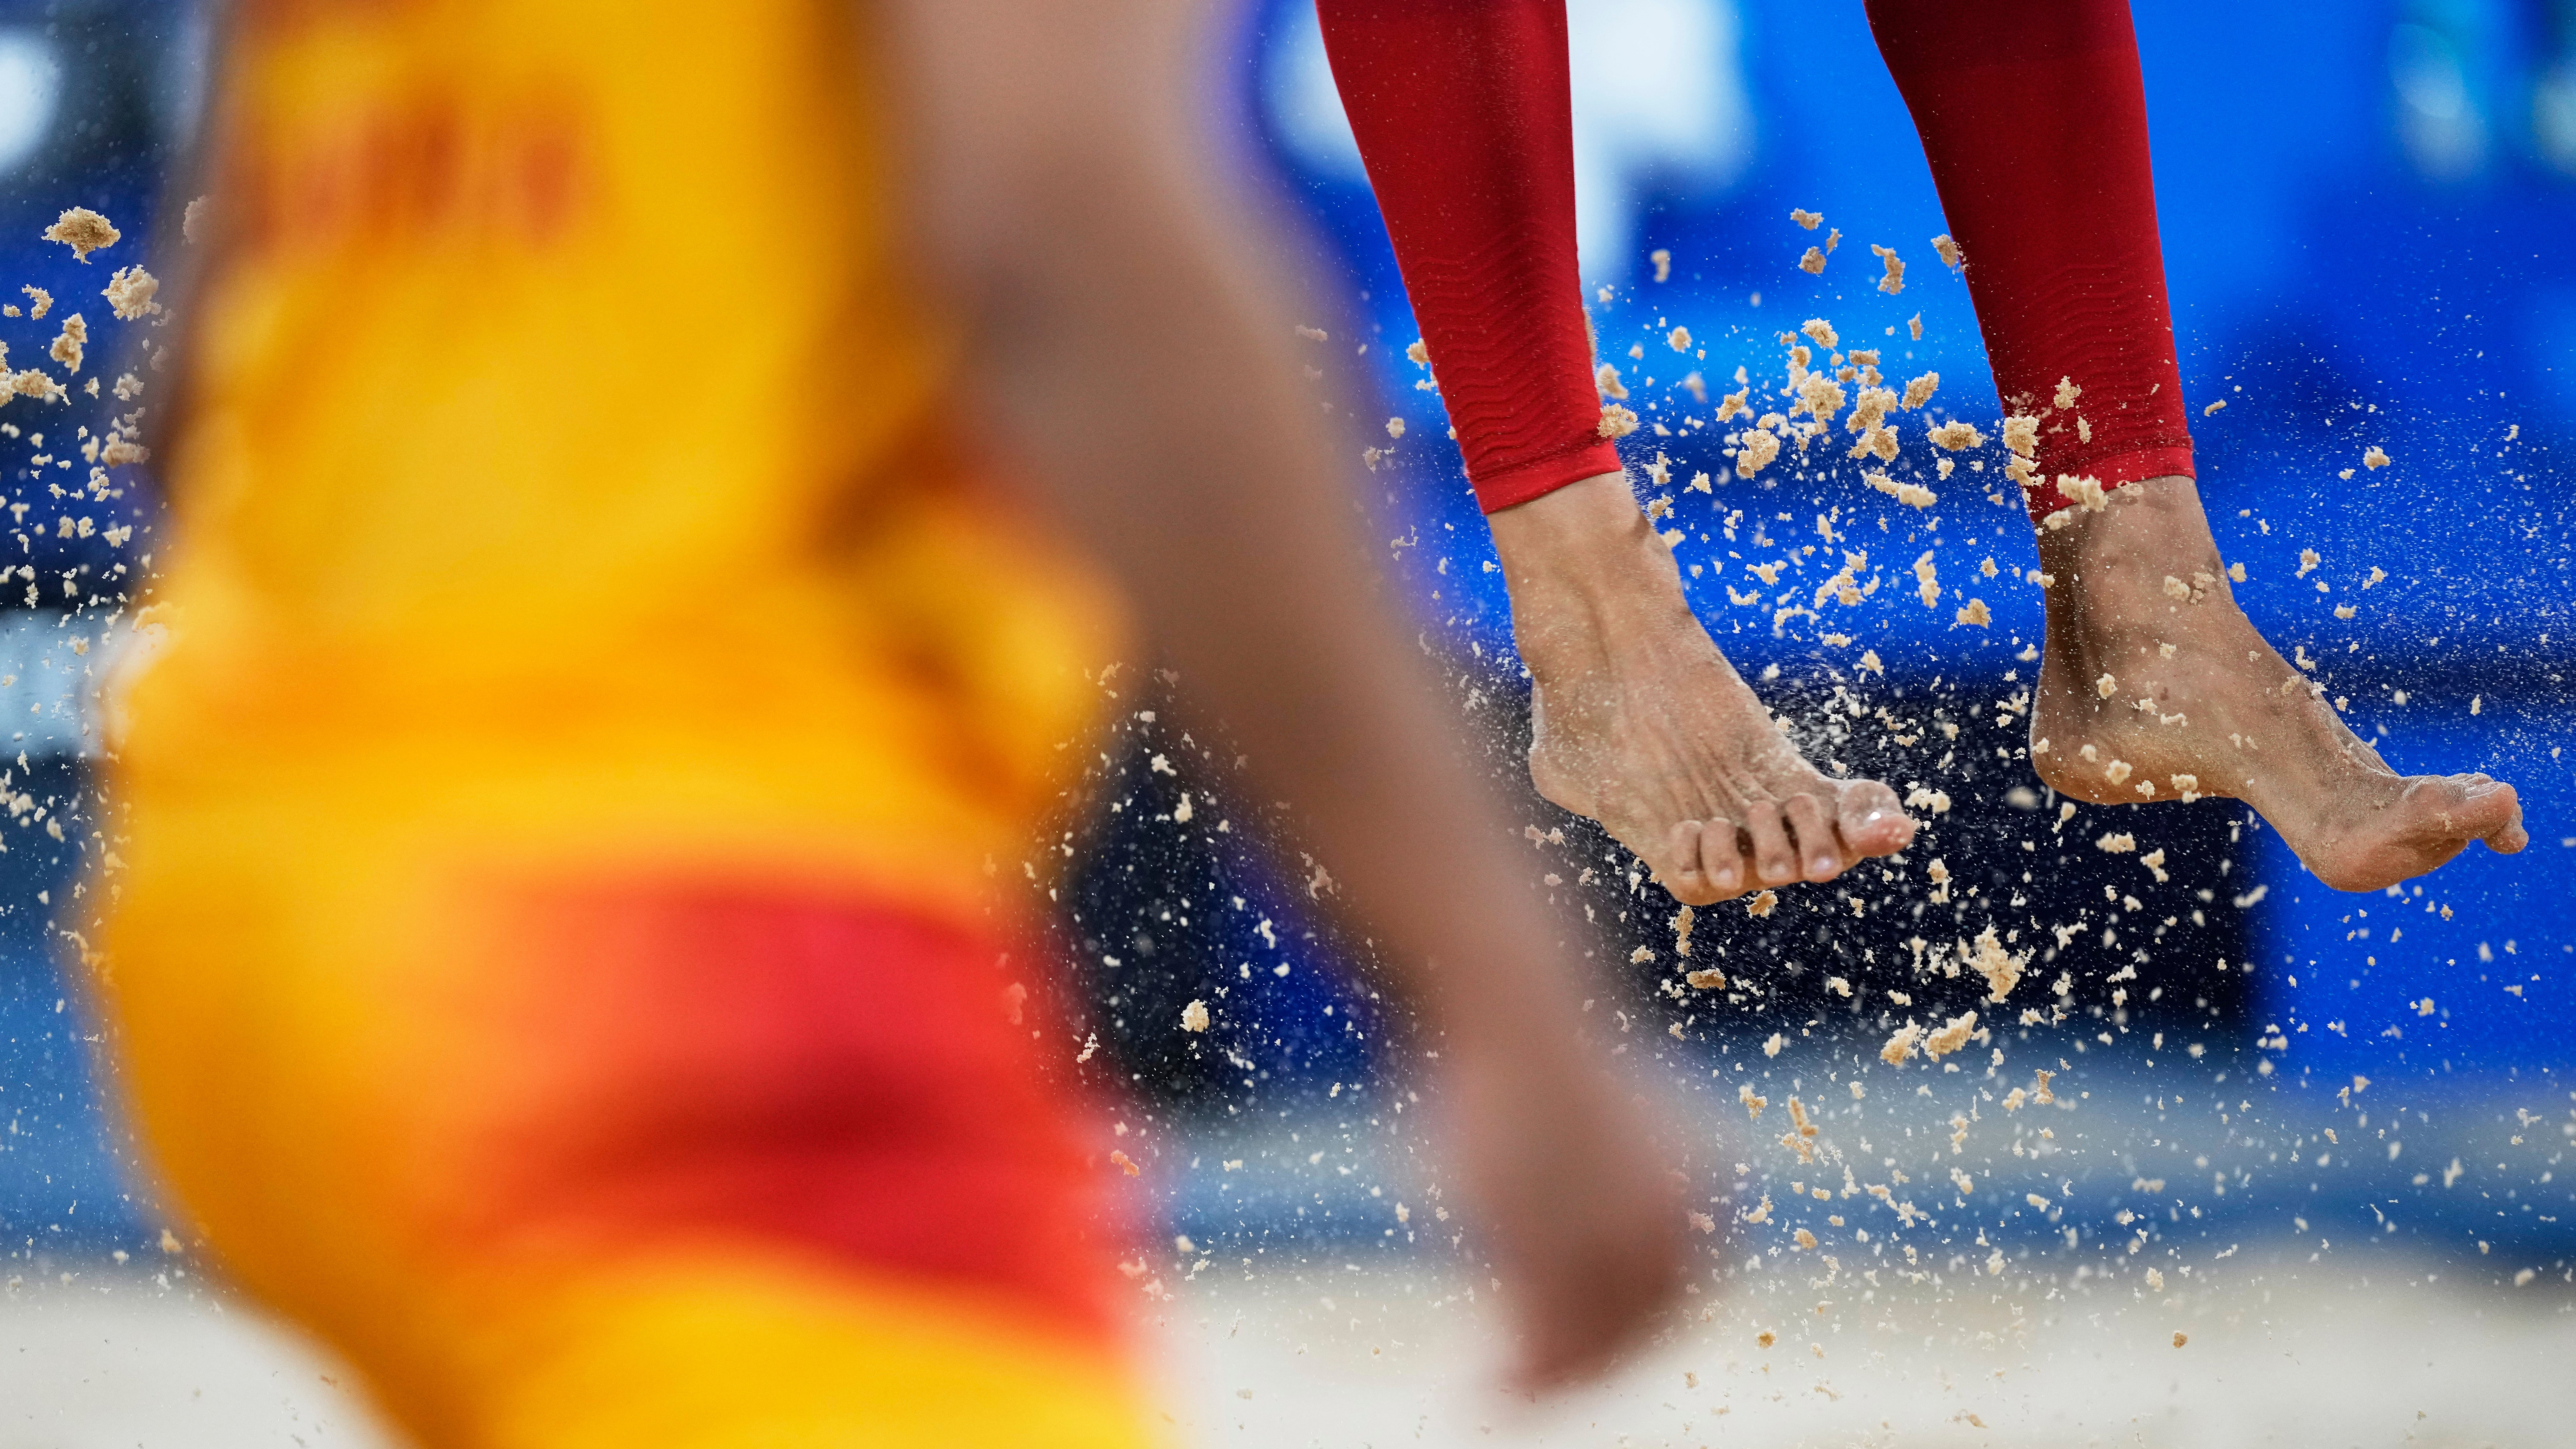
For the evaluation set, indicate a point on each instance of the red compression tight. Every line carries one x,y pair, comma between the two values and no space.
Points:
2035,122
1463,116
2032,116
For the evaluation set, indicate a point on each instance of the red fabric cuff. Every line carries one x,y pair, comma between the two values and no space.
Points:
1522,482
1464,116
2134,466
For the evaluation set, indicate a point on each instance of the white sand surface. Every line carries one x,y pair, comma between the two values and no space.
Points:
2279,1353
2273,1357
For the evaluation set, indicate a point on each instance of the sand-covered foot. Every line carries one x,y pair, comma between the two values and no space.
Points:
1642,725
2155,686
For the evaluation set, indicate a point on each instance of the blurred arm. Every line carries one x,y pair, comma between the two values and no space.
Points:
1150,390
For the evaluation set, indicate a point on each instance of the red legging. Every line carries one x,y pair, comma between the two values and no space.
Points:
2032,115
1464,119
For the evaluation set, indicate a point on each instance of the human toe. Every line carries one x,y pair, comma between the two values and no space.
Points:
2496,801
1721,861
1818,856
1871,821
1774,862
1680,870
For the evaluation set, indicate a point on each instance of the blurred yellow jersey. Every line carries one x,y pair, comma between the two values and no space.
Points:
554,958
570,455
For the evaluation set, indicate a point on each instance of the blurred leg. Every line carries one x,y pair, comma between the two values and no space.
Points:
606,1160
709,1351
794,1177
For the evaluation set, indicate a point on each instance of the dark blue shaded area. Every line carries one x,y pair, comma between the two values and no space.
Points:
130,80
60,1182
1158,912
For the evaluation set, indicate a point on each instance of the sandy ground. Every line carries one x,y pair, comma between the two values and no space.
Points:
1319,1356
2270,1360
113,1363
2343,1277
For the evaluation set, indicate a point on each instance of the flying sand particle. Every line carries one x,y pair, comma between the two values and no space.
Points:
83,230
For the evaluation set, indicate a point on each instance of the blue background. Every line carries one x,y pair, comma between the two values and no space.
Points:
2364,210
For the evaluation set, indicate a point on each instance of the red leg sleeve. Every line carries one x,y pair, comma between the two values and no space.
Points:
2035,122
1463,116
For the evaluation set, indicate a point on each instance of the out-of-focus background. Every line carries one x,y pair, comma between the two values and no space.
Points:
2318,1136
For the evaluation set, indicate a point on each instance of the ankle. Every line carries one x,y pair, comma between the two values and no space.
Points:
2159,521
2147,552
1586,536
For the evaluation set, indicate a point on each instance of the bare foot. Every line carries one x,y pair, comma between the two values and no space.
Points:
1642,725
2155,686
